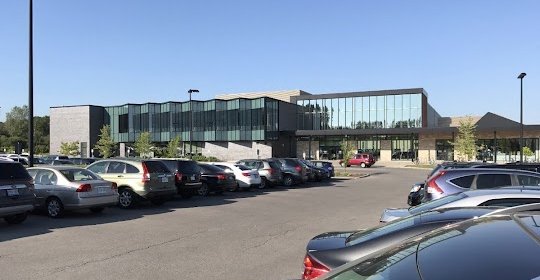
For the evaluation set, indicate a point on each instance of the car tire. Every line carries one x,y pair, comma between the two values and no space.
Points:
55,208
203,190
97,210
264,183
16,219
363,165
126,198
288,180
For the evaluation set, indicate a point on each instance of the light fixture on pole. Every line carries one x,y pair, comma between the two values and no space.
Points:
191,122
521,76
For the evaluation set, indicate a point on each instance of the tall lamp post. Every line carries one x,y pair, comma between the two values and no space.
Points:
191,122
521,76
30,90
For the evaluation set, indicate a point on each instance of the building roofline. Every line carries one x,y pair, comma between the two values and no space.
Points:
360,93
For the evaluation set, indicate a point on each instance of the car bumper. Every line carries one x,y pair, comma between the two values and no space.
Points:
148,194
13,210
87,202
189,186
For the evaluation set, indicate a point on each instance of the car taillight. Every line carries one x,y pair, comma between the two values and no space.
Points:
298,168
432,186
114,186
247,174
313,269
84,188
221,176
270,170
178,177
146,175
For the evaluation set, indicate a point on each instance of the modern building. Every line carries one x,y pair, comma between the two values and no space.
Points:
391,124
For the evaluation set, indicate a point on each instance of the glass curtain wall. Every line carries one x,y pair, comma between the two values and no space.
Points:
499,150
361,112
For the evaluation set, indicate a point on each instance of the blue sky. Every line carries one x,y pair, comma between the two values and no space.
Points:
466,54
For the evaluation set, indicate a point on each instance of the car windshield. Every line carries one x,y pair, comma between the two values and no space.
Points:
77,175
396,225
436,203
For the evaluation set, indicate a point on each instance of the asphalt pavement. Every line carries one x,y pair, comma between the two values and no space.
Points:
243,235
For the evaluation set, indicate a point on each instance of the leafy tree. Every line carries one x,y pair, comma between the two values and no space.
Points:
465,144
348,150
527,152
41,134
172,147
70,148
143,144
105,145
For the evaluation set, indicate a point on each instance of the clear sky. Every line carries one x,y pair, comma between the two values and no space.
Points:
466,54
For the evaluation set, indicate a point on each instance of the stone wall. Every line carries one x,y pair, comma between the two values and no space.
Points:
232,151
69,124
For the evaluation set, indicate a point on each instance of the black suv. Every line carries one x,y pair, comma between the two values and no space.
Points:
294,171
16,192
187,176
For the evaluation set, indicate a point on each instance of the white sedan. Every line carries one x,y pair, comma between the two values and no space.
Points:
245,176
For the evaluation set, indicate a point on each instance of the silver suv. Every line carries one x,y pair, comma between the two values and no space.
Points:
137,179
452,181
269,170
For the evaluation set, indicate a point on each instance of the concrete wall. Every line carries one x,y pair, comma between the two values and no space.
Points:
232,151
302,149
386,150
68,124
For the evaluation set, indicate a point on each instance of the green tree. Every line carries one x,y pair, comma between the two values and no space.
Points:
172,147
465,144
70,148
105,145
348,150
41,134
16,126
143,145
527,152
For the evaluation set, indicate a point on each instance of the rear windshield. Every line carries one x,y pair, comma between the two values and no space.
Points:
211,168
186,166
13,171
77,175
394,226
156,167
242,167
436,203
274,164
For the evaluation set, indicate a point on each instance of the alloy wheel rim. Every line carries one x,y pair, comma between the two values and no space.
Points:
203,189
125,198
53,208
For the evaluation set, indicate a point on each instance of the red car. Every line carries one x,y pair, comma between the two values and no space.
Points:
363,160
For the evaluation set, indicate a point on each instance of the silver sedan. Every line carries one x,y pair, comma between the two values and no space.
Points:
60,188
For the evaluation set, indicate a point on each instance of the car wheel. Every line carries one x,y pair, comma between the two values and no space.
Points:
203,190
97,209
263,184
288,181
55,209
126,198
363,165
16,219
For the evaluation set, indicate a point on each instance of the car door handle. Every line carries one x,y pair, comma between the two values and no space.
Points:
120,176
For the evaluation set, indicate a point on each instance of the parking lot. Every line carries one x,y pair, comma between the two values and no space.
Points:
242,235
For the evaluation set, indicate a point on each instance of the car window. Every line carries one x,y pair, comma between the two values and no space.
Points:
510,202
99,167
226,168
274,165
77,175
436,203
365,156
463,182
188,167
156,167
11,171
525,180
488,181
116,167
131,169
46,177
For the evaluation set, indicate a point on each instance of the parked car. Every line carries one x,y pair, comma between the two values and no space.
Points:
215,179
137,180
363,160
503,197
457,180
60,188
269,170
187,176
326,165
332,249
16,192
245,177
491,247
82,161
294,172
60,162
318,173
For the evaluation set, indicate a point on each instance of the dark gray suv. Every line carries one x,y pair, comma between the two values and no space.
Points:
16,192
269,170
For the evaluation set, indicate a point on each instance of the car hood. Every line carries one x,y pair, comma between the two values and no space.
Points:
390,214
329,240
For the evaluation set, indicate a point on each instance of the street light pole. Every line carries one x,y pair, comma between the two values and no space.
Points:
521,76
191,122
30,90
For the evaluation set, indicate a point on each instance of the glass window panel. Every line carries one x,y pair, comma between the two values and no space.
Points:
398,101
358,112
373,102
390,102
406,101
416,101
342,122
334,113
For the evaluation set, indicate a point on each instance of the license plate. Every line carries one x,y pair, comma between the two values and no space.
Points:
164,179
102,190
192,177
13,192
